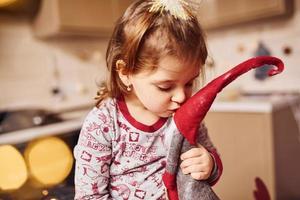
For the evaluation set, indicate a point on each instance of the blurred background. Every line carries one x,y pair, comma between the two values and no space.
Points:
52,55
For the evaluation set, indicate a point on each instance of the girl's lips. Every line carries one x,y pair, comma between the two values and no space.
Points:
172,111
169,112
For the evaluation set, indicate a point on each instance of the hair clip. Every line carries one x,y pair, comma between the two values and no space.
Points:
175,7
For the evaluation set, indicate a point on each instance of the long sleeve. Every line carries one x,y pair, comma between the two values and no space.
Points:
93,158
205,140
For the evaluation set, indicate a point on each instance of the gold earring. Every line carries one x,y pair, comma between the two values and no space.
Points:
129,88
120,64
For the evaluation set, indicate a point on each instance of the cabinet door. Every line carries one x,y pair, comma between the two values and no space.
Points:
218,13
245,143
78,17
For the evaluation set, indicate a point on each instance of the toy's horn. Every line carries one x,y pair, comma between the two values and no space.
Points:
193,111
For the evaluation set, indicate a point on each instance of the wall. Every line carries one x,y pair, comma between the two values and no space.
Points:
27,64
231,46
30,68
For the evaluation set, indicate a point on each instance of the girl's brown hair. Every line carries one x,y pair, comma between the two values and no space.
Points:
141,38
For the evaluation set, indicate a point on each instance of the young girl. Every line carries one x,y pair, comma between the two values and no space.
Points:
154,57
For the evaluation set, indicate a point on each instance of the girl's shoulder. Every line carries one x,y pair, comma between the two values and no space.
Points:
108,104
106,109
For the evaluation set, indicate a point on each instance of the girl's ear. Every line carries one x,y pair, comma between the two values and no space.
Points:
122,72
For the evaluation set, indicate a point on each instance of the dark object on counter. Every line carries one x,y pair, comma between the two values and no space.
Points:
261,73
287,50
13,120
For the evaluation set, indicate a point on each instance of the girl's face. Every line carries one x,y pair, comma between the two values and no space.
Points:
161,92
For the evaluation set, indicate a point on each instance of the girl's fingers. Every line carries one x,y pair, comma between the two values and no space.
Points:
191,161
194,152
197,172
197,163
200,176
192,169
196,168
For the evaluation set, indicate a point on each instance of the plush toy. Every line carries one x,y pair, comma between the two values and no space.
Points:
187,120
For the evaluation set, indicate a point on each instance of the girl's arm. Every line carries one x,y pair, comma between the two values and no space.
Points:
201,163
204,140
93,158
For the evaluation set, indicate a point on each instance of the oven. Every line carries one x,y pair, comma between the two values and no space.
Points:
36,154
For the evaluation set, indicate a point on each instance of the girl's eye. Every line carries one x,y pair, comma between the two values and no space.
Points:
190,84
164,88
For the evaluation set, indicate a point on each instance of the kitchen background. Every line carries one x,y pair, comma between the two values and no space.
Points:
52,54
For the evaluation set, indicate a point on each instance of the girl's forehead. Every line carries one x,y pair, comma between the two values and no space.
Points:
174,65
171,68
166,74
174,70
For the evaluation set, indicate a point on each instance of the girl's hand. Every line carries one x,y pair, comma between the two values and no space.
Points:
197,162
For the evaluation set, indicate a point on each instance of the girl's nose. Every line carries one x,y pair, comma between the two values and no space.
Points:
179,96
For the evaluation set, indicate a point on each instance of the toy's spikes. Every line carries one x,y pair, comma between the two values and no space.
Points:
192,112
175,7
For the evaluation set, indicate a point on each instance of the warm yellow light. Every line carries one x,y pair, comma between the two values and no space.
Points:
49,161
13,170
45,192
6,2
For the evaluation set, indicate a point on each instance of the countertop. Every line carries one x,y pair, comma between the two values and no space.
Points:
21,136
257,105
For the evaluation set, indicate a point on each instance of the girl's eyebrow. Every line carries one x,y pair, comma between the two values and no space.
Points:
164,81
171,81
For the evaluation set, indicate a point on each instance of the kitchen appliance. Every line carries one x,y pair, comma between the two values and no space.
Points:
22,129
12,120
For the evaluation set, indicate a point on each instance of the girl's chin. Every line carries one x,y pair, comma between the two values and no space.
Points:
167,114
